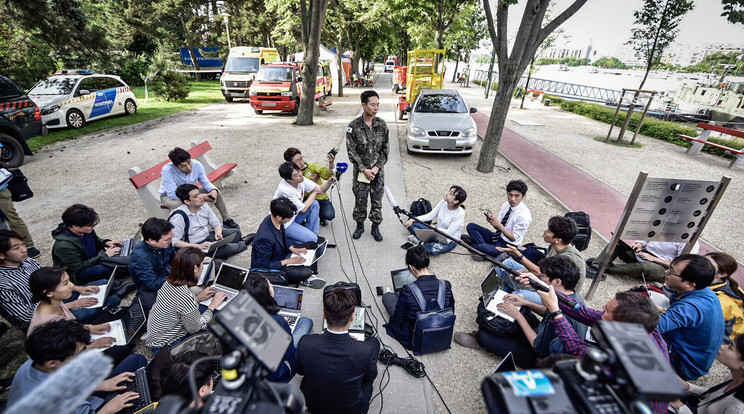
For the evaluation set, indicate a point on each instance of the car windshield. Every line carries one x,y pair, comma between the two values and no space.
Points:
242,64
57,85
274,74
447,104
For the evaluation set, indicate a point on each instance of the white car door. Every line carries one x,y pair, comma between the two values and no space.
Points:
104,104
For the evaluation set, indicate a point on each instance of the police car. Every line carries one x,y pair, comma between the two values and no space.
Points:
74,97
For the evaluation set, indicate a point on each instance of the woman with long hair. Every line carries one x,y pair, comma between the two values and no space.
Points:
729,293
450,217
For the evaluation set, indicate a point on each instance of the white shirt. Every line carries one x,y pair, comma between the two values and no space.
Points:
295,195
449,221
518,223
199,224
668,251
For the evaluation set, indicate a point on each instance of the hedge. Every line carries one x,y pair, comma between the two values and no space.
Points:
654,128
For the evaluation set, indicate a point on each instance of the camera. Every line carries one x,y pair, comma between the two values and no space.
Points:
256,345
621,376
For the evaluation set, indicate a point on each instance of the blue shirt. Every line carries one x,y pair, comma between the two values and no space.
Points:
149,266
173,177
693,326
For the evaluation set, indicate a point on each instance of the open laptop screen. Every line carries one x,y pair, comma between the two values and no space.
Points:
288,298
490,285
401,278
231,277
358,323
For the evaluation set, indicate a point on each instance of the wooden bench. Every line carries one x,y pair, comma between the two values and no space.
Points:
701,140
142,180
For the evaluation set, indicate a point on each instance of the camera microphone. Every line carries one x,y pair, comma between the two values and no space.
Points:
341,168
391,199
544,287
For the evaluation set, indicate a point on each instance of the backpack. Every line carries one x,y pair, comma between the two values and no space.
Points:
499,326
185,223
18,186
274,276
421,207
584,236
353,287
434,325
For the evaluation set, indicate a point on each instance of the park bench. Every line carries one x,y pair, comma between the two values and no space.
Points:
701,140
142,180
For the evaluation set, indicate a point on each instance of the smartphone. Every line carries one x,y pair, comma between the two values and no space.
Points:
210,197
333,152
407,245
487,213
112,309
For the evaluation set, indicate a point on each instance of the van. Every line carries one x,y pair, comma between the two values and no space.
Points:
277,87
324,80
389,65
241,67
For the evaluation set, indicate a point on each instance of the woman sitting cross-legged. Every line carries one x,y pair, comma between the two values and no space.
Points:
175,314
450,217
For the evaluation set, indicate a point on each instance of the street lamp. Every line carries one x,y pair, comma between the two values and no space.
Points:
225,17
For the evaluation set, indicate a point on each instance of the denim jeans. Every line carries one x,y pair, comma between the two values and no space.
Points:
327,212
92,274
507,280
433,248
297,233
483,239
303,327
87,315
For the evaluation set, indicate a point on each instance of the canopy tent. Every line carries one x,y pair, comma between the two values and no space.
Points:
327,54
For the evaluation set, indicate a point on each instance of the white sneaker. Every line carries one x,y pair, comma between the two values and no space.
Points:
313,282
413,239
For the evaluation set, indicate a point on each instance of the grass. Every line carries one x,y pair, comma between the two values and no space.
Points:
202,93
624,144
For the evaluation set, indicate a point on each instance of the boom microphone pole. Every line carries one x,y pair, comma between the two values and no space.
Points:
538,286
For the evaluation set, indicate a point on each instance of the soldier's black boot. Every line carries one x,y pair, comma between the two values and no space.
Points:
359,230
376,232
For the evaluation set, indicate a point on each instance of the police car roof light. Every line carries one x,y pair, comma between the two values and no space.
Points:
74,72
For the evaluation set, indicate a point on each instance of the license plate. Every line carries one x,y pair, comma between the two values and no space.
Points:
439,143
269,104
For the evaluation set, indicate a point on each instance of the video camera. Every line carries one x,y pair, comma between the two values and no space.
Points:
621,377
257,345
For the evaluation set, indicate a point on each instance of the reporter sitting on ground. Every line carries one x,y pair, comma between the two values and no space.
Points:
450,216
263,292
174,377
78,248
651,261
559,234
315,173
403,308
729,293
192,222
56,343
272,251
724,398
531,343
175,315
150,261
628,307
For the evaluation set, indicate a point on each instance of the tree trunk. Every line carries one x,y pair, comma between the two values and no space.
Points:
527,84
457,63
356,50
495,127
339,56
312,23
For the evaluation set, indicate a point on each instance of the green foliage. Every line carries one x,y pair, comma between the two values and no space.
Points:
23,58
733,10
609,63
483,59
715,62
133,70
554,100
171,86
494,85
568,61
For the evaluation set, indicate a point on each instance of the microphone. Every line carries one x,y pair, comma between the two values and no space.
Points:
341,168
391,200
67,388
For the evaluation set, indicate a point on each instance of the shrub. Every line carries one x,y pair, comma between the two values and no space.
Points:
555,100
171,86
132,70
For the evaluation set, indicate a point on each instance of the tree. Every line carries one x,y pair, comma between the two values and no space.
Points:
464,35
312,15
530,36
733,10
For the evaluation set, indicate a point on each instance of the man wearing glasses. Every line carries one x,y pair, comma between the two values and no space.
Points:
693,325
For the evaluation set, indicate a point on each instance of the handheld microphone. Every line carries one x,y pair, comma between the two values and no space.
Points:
341,168
391,199
543,287
67,388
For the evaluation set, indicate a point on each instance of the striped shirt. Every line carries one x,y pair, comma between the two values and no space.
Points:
15,295
174,315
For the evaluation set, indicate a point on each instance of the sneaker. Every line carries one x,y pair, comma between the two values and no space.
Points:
477,257
466,239
467,340
590,261
33,252
323,222
359,230
313,282
413,239
231,224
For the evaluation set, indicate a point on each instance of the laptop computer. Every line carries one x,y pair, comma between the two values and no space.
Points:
311,256
430,236
289,300
103,291
141,386
493,295
127,245
230,279
356,330
401,277
124,329
219,243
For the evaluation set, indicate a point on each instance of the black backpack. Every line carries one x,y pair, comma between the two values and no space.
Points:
584,236
488,321
18,186
434,325
420,207
353,287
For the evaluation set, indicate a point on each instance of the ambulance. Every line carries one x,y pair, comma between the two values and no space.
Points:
241,67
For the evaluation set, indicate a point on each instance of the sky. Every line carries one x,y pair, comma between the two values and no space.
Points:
608,22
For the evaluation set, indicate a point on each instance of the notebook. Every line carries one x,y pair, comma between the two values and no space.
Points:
356,330
430,236
124,329
219,243
493,296
230,279
127,245
401,277
103,291
289,300
311,256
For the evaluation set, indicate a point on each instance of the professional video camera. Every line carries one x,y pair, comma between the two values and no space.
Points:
621,377
257,345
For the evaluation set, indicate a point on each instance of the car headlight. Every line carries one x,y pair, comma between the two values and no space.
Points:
287,93
252,93
468,132
50,110
417,132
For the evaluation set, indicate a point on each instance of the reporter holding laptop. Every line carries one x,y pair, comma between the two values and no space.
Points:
450,216
175,314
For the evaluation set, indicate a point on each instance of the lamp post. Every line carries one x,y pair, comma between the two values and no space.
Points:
225,17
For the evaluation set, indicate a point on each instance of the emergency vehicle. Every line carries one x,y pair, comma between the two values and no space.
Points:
243,62
277,87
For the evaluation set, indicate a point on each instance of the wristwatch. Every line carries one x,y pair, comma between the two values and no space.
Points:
519,259
556,314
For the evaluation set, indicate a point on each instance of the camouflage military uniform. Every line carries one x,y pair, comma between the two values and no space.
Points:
368,147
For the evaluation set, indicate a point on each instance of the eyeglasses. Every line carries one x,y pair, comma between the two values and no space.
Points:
671,272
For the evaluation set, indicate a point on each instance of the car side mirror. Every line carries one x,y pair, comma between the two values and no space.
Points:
473,110
408,109
82,92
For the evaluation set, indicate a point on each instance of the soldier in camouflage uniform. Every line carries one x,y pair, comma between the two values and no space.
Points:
367,141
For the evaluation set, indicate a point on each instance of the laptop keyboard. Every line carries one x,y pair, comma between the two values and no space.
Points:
126,248
291,319
139,385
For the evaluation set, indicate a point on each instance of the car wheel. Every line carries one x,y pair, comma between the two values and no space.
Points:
229,98
75,119
395,88
130,107
296,109
11,155
258,111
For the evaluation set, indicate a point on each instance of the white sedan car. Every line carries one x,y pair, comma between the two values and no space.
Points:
439,122
71,98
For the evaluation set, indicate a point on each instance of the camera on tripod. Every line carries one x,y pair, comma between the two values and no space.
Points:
257,345
621,377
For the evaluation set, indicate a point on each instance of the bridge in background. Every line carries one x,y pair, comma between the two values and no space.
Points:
563,89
